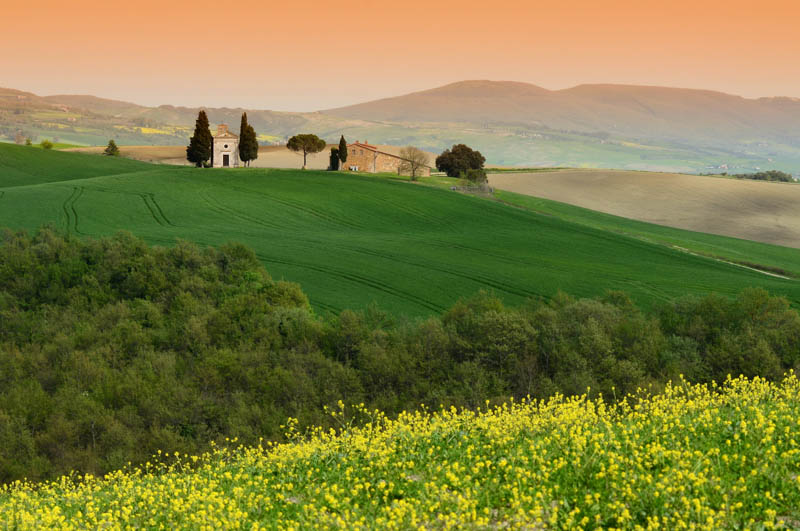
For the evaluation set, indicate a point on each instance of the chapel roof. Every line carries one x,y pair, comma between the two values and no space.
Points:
222,132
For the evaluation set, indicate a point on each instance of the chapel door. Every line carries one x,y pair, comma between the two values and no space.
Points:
226,160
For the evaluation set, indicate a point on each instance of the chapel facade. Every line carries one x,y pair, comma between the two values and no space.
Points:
225,152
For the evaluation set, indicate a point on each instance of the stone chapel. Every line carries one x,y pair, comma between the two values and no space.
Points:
225,153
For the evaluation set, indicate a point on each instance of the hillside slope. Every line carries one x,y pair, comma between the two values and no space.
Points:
23,165
752,210
635,111
350,240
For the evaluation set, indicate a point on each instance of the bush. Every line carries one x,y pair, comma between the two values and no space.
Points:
477,176
46,144
111,349
459,159
111,150
770,175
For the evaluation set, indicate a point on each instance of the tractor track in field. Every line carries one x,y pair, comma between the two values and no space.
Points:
475,277
352,277
69,206
417,213
157,207
319,214
149,200
219,208
483,252
326,307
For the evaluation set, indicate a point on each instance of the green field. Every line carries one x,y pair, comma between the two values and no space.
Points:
785,260
350,240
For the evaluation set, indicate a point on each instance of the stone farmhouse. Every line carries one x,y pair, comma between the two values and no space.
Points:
225,153
362,156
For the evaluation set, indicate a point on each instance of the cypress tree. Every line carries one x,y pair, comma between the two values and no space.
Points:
244,148
199,149
334,161
252,144
343,150
248,141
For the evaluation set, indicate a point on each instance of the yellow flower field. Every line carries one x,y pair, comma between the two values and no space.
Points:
703,457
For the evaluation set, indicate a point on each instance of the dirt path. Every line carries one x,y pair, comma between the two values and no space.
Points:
753,210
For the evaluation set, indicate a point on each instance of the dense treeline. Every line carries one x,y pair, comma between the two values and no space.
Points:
111,350
769,175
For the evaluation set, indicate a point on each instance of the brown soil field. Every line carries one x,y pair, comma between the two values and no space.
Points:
268,156
753,210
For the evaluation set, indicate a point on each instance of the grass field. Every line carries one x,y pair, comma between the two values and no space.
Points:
770,258
694,457
350,240
752,210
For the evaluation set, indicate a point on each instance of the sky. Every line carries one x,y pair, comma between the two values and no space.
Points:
306,56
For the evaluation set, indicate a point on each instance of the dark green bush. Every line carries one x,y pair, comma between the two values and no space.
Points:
111,349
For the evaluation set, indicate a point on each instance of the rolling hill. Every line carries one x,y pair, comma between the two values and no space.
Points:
751,210
657,113
518,124
350,240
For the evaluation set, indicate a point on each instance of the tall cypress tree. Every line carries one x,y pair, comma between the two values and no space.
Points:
199,149
244,148
333,165
343,150
248,141
252,144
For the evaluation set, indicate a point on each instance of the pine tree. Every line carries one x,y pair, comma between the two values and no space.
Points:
343,150
199,149
111,150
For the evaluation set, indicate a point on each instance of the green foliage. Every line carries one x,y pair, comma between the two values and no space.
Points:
333,165
28,141
475,175
111,349
306,143
46,144
111,150
342,150
200,146
459,160
248,142
771,175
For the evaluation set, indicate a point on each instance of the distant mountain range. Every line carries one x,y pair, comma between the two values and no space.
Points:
513,123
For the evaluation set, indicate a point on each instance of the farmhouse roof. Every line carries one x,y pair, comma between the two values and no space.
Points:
376,150
222,132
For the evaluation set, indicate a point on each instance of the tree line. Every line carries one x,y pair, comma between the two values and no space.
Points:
769,175
111,350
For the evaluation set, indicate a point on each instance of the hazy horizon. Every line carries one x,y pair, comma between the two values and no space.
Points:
315,109
295,58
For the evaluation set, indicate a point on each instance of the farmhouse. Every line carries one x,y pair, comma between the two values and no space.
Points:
225,153
362,156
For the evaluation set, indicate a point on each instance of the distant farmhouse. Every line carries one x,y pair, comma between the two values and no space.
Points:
225,153
365,157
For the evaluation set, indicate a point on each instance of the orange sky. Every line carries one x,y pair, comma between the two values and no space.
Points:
312,55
